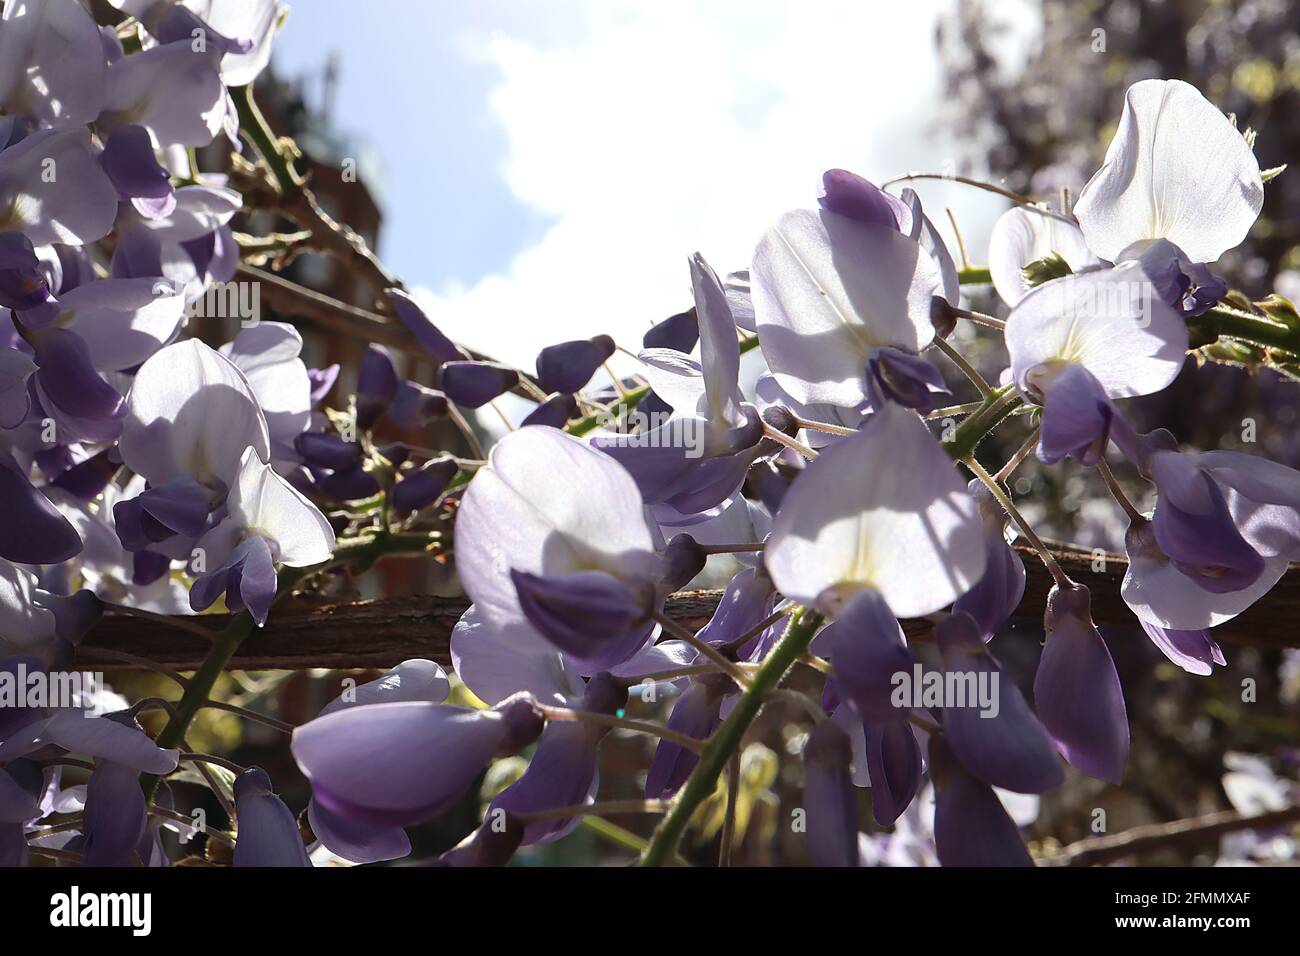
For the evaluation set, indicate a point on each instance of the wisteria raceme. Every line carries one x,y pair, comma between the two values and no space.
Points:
795,427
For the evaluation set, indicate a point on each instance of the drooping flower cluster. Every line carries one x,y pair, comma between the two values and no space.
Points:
143,469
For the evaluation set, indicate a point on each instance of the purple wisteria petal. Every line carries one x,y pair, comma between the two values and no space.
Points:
829,800
247,577
474,384
971,827
1194,651
1005,745
268,832
356,842
115,817
84,406
997,594
695,714
909,380
111,738
326,450
1077,691
322,380
866,646
569,366
421,488
377,383
179,506
894,766
138,255
562,773
128,159
32,529
23,283
1077,416
430,337
19,800
360,760
582,612
853,197
1201,538
744,604
416,679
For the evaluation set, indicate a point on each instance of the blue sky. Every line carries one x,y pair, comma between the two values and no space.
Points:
548,167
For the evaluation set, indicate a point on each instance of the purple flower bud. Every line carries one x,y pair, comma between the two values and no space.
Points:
582,612
1005,745
678,332
569,366
416,405
683,559
997,594
324,450
1077,418
115,817
848,194
829,799
348,484
556,411
419,489
376,385
430,337
268,832
74,614
474,384
971,827
1077,690
148,566
402,763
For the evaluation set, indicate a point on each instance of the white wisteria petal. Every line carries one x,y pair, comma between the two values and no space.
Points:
267,353
124,321
78,732
191,412
199,210
172,90
1109,321
883,509
255,20
719,348
264,503
1177,169
676,378
1021,236
494,662
22,623
827,291
52,189
548,504
52,62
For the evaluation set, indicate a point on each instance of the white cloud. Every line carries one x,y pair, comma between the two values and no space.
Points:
675,126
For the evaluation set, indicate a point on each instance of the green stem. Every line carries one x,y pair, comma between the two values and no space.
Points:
256,129
726,740
974,275
1256,329
1000,403
200,686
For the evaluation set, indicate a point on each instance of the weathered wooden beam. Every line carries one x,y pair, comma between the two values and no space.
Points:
383,632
